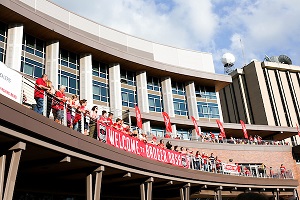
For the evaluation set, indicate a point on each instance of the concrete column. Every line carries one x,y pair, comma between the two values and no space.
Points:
146,127
191,100
167,94
52,60
115,98
174,131
219,107
86,78
12,171
142,92
14,46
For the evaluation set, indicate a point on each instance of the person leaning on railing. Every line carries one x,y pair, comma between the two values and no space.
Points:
58,104
93,120
50,97
40,88
71,110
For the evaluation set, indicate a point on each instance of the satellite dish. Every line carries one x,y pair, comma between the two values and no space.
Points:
284,59
267,58
274,59
254,60
228,61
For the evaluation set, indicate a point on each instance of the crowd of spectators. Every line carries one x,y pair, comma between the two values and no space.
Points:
77,115
254,140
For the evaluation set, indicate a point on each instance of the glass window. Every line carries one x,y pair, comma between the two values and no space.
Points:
128,97
208,110
127,77
153,83
100,91
71,81
155,103
100,69
178,88
28,69
180,107
205,92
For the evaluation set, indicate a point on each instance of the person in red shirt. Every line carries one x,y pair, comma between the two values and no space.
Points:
103,118
167,135
282,171
109,119
40,88
58,104
118,124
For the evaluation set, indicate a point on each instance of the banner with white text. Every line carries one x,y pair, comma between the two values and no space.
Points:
133,145
10,83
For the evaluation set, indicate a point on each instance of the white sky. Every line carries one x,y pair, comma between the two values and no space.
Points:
270,27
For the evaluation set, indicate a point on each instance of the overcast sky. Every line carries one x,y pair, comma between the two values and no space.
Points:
257,27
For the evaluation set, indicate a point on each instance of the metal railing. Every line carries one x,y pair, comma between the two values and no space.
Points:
206,165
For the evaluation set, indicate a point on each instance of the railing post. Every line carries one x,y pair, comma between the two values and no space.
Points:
65,115
45,104
82,123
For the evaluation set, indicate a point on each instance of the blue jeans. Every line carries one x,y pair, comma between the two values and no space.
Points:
39,105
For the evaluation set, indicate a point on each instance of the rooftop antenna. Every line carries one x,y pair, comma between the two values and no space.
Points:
228,61
242,47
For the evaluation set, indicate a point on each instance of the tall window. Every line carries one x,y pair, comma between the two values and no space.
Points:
128,90
208,110
100,69
3,39
100,91
153,83
68,73
128,97
100,81
178,88
127,77
180,107
155,103
33,56
205,92
158,131
183,134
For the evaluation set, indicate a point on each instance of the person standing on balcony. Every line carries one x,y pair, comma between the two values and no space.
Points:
58,104
40,88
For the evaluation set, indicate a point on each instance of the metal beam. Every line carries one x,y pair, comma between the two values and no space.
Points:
142,189
98,182
89,187
66,159
2,172
12,174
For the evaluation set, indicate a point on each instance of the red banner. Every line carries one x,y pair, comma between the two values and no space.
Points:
133,145
167,122
222,131
244,129
298,129
196,126
138,116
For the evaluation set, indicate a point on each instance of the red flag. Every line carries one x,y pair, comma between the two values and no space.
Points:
196,126
138,116
244,129
167,122
220,125
298,129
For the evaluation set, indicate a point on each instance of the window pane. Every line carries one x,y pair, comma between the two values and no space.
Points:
72,83
28,69
30,41
38,72
64,81
96,90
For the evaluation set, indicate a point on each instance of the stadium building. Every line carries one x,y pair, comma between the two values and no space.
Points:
42,159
